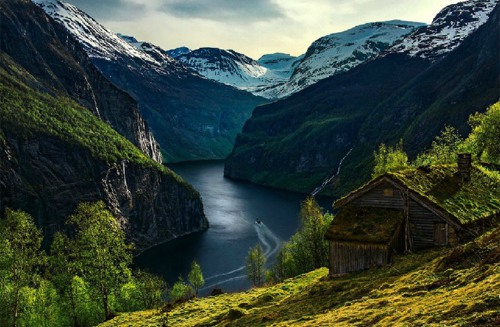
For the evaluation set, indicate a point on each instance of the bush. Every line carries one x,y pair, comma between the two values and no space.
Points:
389,159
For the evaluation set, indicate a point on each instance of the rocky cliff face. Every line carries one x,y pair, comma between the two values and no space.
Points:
48,178
45,174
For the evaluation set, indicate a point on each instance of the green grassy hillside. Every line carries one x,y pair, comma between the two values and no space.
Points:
441,287
24,111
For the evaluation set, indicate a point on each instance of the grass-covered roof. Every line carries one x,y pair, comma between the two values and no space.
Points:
442,188
370,225
441,185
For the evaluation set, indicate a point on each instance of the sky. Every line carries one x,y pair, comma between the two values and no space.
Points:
251,27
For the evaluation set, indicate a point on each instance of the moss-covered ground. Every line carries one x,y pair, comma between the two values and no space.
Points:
441,287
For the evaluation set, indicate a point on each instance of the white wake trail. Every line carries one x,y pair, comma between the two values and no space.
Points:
226,273
259,229
266,237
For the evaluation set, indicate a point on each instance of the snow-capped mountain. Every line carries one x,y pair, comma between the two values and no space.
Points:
339,52
101,43
174,53
236,69
447,31
281,64
191,116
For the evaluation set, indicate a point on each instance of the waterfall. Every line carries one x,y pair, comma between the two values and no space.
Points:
329,179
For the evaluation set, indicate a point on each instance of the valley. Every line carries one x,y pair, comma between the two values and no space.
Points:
176,181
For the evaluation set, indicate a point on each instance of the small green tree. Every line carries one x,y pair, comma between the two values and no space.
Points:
483,141
42,306
307,249
389,158
180,291
280,269
256,265
444,149
79,304
20,242
87,311
195,277
128,297
152,289
313,231
101,256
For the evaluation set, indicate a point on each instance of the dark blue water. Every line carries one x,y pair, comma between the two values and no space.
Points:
232,209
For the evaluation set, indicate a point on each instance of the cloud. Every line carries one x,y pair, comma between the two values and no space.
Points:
246,11
110,10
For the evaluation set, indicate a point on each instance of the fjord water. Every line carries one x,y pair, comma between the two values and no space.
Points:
232,209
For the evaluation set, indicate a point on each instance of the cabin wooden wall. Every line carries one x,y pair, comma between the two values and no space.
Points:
382,196
346,257
423,224
422,220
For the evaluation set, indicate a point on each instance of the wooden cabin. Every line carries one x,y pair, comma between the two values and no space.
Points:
409,210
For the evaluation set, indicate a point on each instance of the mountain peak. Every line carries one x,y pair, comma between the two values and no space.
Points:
101,43
447,30
174,53
232,68
342,51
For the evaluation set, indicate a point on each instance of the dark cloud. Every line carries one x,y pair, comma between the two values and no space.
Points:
116,10
224,10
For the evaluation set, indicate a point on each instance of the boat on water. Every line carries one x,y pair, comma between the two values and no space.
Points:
258,221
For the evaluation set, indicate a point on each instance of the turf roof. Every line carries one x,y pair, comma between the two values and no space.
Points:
443,189
467,201
369,225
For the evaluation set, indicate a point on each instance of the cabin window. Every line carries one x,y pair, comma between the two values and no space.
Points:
440,234
389,192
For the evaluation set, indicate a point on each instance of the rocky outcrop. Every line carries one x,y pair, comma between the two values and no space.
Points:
47,178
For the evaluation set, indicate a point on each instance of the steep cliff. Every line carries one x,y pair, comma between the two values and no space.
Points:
57,142
192,118
56,60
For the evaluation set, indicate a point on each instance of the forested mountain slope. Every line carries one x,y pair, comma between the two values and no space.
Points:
297,142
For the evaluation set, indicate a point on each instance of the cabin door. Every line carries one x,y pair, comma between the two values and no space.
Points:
440,234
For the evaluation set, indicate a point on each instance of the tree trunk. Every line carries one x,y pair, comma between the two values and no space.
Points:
106,306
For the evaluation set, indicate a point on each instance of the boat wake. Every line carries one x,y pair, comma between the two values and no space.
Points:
271,244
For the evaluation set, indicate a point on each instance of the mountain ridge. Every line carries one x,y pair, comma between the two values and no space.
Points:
192,117
298,142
